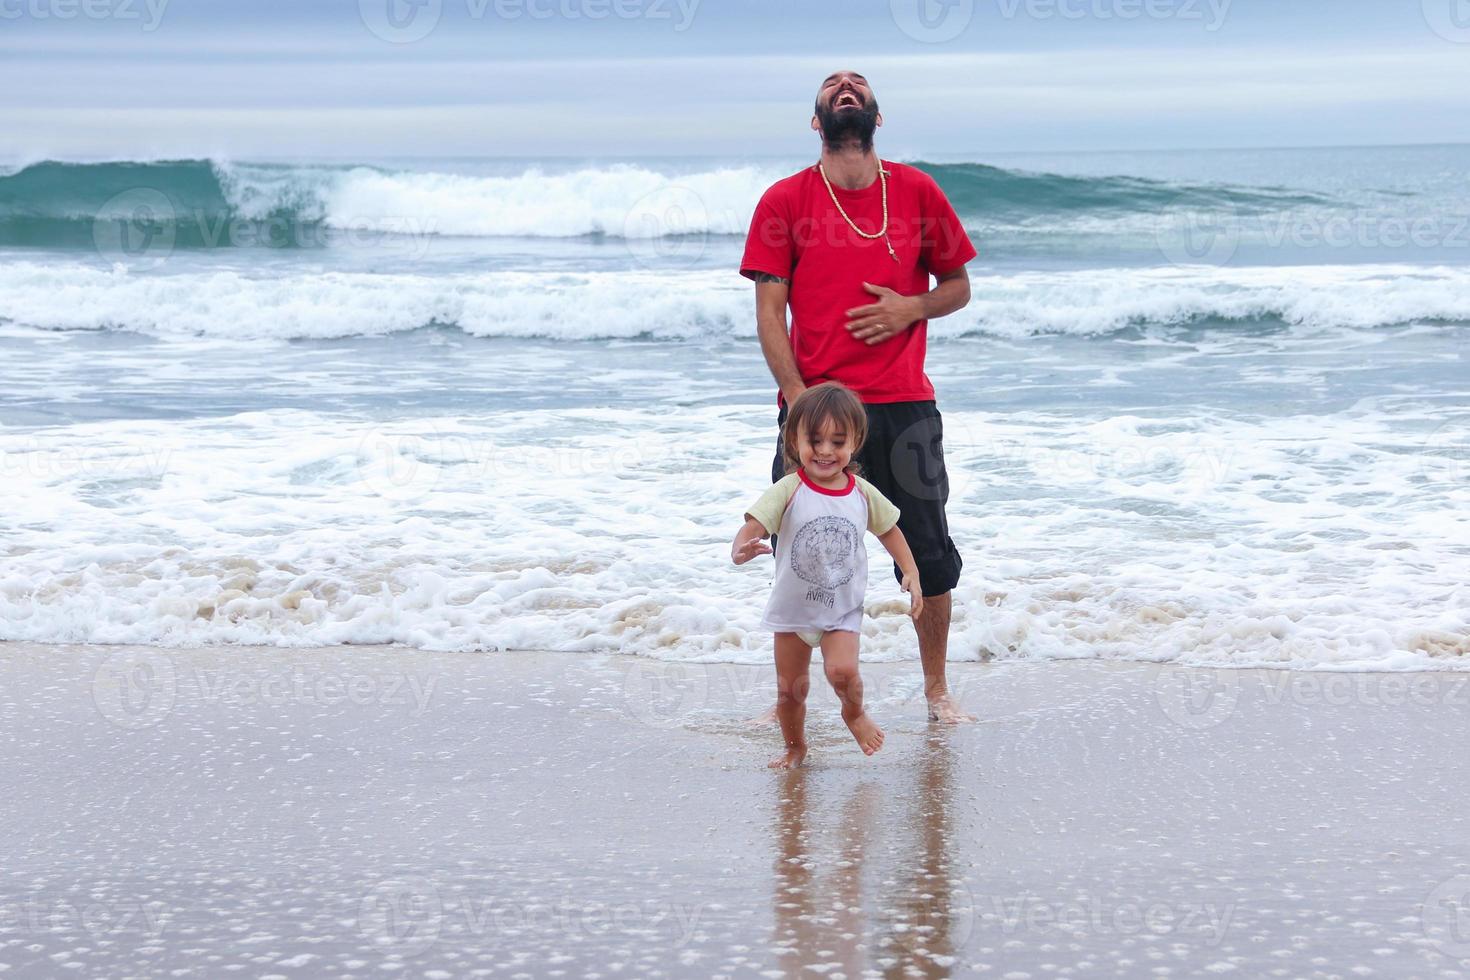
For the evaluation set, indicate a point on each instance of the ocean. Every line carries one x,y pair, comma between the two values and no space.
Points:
1205,407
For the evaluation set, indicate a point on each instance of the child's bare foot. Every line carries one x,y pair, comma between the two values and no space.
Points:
869,736
793,757
944,709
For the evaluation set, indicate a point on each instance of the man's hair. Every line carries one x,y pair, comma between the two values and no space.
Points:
811,410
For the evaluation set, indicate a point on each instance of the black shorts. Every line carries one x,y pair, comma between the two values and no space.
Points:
904,458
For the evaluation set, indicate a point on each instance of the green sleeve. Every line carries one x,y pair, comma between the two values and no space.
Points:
882,515
771,506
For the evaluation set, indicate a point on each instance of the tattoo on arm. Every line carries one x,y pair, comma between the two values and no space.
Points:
769,277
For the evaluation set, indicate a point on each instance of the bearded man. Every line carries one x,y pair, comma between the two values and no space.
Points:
850,245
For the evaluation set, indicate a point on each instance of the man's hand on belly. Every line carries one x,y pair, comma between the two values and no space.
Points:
892,314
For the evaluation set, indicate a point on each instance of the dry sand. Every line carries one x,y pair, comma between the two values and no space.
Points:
372,812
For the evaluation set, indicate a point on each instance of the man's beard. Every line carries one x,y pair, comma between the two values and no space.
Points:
842,129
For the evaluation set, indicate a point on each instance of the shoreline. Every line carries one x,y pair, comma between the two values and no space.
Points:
346,811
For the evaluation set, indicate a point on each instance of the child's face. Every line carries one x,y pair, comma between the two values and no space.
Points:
827,455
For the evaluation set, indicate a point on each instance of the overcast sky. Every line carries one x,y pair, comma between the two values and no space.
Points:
272,79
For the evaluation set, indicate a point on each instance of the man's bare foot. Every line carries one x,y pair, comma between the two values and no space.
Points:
943,709
790,760
869,736
767,717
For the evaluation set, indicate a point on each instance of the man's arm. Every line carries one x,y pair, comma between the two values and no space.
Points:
894,312
771,292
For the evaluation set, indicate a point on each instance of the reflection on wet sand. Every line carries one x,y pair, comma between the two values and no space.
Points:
848,899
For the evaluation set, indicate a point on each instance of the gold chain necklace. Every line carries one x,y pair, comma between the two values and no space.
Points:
882,232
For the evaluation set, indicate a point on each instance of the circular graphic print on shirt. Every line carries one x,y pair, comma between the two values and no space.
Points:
825,551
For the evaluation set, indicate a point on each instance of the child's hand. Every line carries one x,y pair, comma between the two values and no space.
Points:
742,553
916,597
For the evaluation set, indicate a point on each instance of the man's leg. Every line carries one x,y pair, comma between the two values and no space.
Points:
904,459
933,629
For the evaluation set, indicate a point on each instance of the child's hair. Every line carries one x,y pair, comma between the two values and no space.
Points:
812,408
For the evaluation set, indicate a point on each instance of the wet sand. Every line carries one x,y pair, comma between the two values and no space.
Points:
372,811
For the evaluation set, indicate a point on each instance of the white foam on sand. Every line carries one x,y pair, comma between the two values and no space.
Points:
1317,542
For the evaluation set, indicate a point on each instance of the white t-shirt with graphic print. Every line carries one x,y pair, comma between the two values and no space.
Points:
821,557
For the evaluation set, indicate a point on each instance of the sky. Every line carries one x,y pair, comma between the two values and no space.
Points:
359,79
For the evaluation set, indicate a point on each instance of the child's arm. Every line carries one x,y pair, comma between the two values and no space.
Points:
893,540
748,542
772,509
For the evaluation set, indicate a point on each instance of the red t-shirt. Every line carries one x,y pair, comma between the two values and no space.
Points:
797,233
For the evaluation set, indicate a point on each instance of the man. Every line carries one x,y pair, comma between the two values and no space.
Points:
850,245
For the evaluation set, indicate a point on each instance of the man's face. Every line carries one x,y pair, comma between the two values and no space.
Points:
846,110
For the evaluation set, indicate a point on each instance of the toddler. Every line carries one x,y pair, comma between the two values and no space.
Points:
820,509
